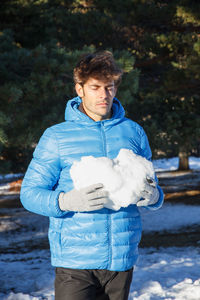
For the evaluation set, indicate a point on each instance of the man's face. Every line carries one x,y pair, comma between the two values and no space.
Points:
97,98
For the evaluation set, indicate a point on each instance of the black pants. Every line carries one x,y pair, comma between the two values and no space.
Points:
73,284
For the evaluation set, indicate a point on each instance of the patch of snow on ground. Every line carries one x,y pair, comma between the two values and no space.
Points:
171,164
165,273
26,274
170,217
171,273
11,176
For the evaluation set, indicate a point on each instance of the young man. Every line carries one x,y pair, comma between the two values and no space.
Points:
92,247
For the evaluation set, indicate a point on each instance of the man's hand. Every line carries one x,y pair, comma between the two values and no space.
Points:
90,198
150,193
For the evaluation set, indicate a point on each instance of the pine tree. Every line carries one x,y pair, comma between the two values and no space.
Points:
34,88
171,84
163,36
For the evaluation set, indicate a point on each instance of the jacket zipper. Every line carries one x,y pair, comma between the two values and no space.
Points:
103,139
109,217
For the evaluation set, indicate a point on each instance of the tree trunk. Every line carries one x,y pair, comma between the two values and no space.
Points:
183,160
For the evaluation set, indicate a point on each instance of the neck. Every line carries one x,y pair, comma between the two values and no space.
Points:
81,108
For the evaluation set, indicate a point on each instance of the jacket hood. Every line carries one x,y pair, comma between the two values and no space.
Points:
72,113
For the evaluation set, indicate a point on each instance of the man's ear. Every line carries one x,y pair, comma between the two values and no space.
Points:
79,90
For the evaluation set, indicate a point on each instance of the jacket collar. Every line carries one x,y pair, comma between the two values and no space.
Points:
72,113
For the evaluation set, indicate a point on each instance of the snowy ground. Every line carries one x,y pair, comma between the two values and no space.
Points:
161,273
172,164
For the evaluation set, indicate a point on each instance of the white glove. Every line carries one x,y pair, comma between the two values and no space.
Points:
90,198
150,193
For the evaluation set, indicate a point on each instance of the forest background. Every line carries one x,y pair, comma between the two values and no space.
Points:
157,43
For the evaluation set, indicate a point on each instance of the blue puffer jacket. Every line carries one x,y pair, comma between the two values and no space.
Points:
103,239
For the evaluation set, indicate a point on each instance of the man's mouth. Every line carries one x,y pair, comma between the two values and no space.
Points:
102,104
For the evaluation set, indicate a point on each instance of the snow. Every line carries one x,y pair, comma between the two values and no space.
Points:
170,217
160,273
123,178
171,273
171,164
10,176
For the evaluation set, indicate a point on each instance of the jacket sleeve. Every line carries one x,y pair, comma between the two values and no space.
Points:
148,155
37,192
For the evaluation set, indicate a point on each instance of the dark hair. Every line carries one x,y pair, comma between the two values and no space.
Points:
99,65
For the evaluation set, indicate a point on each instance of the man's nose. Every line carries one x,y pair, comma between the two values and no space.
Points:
103,92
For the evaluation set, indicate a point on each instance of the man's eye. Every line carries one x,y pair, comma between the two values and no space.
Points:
110,88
